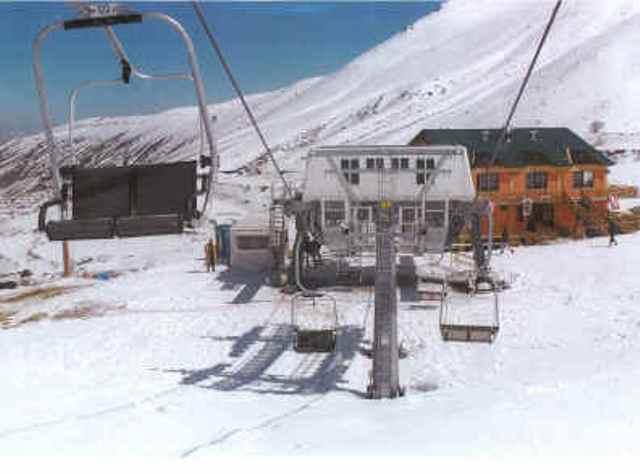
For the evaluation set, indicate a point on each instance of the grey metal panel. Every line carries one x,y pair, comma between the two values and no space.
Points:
384,151
102,21
80,229
165,188
141,226
100,192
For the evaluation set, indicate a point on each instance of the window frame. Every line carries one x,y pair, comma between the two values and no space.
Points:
533,183
488,182
579,181
335,212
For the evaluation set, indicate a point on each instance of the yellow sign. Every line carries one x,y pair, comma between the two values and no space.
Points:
385,204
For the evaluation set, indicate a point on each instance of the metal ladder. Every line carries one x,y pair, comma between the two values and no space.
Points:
276,226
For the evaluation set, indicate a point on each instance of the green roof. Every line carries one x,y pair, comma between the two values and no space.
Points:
525,146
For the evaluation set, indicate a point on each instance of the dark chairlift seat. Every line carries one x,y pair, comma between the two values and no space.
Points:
125,201
319,308
314,340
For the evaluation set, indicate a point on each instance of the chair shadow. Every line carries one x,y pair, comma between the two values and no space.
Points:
314,373
249,284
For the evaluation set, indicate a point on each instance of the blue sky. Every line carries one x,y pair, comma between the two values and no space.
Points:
268,45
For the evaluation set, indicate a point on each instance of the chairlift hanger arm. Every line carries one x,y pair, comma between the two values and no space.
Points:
120,52
54,152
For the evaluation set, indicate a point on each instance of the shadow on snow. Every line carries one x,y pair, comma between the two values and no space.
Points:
256,352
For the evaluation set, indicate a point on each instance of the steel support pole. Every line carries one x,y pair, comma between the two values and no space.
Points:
385,381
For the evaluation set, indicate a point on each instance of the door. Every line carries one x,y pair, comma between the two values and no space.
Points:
363,219
410,217
436,220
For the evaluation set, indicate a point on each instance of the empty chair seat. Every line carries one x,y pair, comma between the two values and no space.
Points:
323,340
80,229
141,226
464,333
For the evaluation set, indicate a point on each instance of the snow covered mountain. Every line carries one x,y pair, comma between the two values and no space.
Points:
458,67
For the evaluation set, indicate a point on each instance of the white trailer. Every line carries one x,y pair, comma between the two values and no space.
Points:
250,245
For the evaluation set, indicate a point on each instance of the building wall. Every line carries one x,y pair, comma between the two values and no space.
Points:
325,180
560,193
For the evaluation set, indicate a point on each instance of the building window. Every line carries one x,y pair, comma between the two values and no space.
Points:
537,180
379,163
422,165
434,215
404,163
395,163
252,242
583,179
370,163
351,170
334,213
488,182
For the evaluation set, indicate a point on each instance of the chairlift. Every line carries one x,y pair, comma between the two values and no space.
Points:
314,317
128,200
473,317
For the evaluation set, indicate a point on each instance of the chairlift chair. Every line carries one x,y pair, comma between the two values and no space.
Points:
477,319
320,310
129,200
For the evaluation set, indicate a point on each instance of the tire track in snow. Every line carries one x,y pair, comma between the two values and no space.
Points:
90,415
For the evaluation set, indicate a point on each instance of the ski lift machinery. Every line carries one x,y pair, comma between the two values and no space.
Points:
128,200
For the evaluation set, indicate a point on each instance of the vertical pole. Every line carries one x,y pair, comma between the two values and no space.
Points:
385,382
66,259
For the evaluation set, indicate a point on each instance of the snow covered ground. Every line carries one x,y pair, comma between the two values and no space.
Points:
171,360
162,358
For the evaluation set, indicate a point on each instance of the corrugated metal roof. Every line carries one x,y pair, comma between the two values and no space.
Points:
525,146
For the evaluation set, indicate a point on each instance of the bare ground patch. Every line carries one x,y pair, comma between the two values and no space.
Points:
83,311
42,293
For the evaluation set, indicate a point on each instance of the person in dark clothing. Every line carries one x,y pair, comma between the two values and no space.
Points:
613,228
504,240
210,255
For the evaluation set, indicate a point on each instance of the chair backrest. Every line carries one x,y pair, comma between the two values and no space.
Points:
123,191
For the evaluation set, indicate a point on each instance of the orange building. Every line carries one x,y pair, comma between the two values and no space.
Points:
544,181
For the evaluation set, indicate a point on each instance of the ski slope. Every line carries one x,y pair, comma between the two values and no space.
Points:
163,359
169,360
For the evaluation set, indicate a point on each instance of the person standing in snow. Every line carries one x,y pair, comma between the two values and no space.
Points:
210,255
504,240
612,232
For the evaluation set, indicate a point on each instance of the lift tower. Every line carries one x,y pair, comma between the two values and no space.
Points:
385,382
